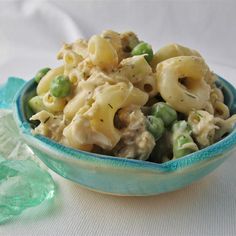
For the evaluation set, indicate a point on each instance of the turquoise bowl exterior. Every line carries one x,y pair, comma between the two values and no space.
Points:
120,176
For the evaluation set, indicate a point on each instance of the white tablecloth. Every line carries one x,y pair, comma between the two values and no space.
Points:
31,32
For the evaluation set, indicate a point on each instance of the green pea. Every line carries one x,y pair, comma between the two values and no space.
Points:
36,104
41,73
165,112
155,126
60,86
143,48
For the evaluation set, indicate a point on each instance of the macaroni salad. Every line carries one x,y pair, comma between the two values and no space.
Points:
112,95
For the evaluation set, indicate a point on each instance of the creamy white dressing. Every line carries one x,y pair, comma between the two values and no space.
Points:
136,141
108,82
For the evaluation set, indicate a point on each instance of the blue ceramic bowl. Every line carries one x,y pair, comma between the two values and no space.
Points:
120,176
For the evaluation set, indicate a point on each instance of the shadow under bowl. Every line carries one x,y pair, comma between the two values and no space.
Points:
119,176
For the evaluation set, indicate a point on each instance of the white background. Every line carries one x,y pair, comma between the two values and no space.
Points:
31,32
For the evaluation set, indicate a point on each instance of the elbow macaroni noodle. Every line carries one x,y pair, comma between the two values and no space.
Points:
111,89
102,53
181,82
170,51
53,104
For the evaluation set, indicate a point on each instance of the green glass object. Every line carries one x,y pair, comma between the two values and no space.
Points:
40,74
23,184
1,159
11,145
8,91
143,48
165,112
60,86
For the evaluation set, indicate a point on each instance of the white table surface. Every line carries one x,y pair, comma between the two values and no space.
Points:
31,32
